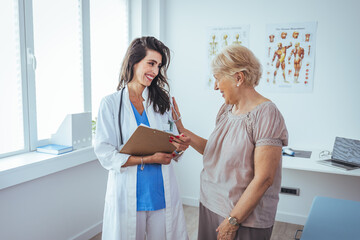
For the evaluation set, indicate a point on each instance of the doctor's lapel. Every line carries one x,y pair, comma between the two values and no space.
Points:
128,117
149,109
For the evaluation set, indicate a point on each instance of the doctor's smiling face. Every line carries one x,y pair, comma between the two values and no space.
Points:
148,68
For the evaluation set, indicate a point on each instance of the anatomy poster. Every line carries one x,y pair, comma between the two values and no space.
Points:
220,37
290,58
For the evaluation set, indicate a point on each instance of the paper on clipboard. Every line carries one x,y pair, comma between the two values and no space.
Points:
147,141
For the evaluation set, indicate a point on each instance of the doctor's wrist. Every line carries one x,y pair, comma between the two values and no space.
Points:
147,159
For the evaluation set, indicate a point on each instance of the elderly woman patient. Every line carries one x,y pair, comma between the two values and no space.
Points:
240,181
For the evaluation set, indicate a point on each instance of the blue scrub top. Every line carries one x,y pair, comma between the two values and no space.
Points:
150,185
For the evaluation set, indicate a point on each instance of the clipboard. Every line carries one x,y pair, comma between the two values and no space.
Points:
147,141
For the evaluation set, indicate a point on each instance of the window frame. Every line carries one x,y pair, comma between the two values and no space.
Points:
28,67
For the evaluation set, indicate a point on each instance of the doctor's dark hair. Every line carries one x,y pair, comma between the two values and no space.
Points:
159,88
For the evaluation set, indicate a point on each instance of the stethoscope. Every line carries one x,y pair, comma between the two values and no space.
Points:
121,138
120,108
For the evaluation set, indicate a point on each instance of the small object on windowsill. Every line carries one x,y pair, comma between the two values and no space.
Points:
288,152
54,149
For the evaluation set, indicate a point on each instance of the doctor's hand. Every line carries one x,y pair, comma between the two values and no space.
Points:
161,158
177,116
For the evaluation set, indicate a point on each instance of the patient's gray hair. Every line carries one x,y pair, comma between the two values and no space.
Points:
236,58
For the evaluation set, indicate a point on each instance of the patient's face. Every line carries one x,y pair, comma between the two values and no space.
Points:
227,86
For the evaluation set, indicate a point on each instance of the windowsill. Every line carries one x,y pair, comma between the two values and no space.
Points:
25,167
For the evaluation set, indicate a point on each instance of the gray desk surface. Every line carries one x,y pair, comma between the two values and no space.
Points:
332,219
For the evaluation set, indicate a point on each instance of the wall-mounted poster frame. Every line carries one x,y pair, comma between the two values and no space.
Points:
220,37
290,57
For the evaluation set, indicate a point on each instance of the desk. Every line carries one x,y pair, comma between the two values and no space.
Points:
332,219
311,164
313,179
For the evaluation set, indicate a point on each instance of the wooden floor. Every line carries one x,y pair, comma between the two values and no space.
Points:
281,231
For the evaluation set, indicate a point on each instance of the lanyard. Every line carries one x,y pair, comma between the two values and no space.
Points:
121,138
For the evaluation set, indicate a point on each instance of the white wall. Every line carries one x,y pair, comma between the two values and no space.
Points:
65,205
313,119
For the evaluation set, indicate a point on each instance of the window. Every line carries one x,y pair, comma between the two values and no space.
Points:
45,65
58,75
11,100
108,46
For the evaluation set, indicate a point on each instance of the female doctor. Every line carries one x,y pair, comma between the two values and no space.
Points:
142,199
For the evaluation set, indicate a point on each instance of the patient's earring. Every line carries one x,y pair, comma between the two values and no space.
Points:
238,84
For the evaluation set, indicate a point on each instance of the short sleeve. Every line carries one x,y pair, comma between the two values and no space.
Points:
270,128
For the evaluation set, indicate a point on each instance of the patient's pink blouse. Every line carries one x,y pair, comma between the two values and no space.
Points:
229,161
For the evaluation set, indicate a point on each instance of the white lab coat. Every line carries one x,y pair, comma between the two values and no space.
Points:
120,201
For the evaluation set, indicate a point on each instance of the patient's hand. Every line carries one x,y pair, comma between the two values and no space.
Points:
177,116
181,142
